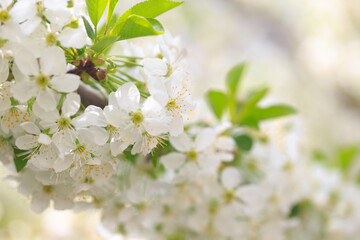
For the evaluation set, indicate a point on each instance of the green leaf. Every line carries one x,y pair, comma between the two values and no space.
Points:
96,9
234,77
346,156
110,10
138,26
273,112
89,29
218,101
21,158
155,159
146,9
244,142
244,109
104,43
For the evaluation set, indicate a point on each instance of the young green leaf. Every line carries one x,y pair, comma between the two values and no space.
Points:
234,77
110,10
96,9
89,29
244,142
21,158
104,43
146,9
138,26
218,102
273,112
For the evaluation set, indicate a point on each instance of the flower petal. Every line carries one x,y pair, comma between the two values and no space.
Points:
66,82
230,178
30,127
182,143
173,161
52,61
71,37
204,139
26,142
46,100
71,104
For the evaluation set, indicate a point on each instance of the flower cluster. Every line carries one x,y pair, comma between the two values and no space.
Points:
86,126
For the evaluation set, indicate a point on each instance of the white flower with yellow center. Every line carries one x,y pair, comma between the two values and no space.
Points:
43,76
60,125
12,118
140,124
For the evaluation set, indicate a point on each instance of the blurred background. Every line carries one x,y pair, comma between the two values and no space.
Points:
307,52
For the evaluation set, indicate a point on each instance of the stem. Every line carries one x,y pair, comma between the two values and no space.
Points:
61,101
128,76
117,81
127,62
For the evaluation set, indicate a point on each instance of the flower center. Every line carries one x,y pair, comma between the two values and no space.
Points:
192,155
171,105
63,122
229,196
4,16
42,81
51,39
48,189
80,148
137,117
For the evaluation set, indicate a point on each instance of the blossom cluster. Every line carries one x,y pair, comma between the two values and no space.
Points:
133,157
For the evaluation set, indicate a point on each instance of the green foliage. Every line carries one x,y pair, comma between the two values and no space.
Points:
104,43
146,9
244,112
89,29
254,115
137,26
110,10
218,102
234,77
346,157
96,9
244,142
21,158
138,21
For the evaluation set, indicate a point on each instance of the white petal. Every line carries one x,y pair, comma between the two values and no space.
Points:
204,139
31,128
230,178
26,142
173,161
117,147
100,135
23,10
26,62
30,25
128,97
71,37
155,66
52,61
23,90
56,5
182,143
45,115
155,127
71,104
58,19
44,139
66,82
39,204
46,100
93,116
62,164
176,126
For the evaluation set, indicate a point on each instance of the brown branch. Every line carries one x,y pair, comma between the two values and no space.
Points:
91,97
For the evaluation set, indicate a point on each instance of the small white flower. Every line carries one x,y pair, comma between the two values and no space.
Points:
41,75
140,124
